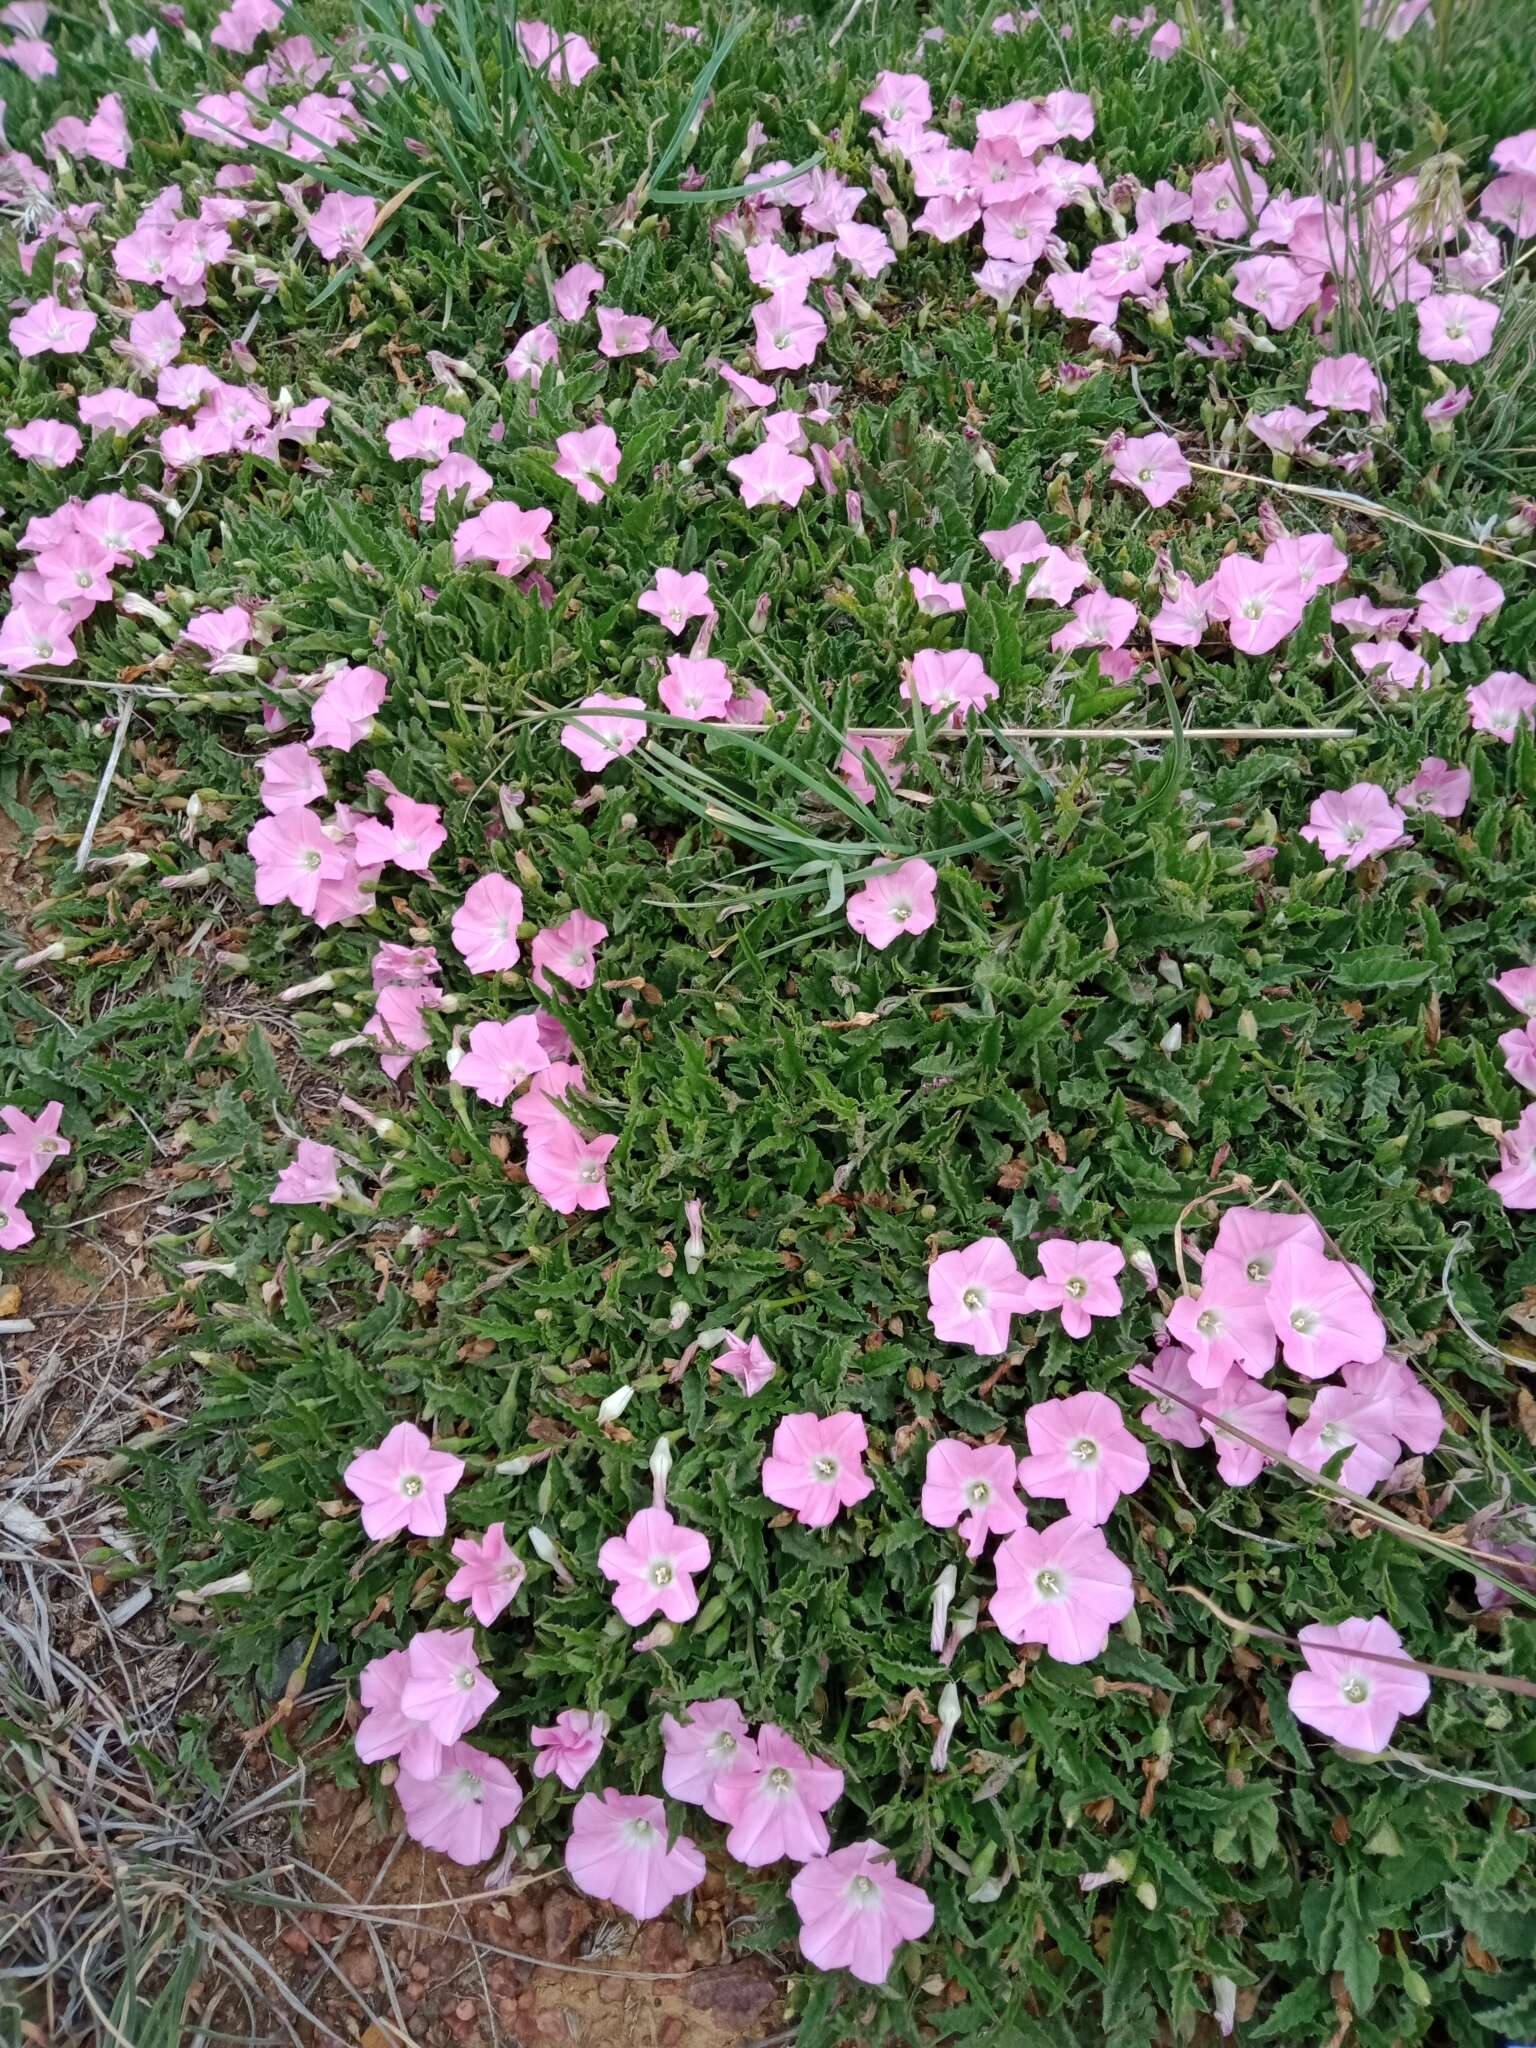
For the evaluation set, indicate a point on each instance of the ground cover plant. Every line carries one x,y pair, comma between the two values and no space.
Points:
780,770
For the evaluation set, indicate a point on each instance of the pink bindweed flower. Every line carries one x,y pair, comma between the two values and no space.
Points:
403,1484
1223,1330
30,1145
1455,327
1286,430
949,682
1515,1181
1062,1587
935,599
290,777
1152,464
504,535
622,334
1519,1049
485,924
565,1169
414,833
854,768
589,460
569,951
1183,618
695,688
425,435
1517,985
50,327
575,290
707,1745
1321,1312
1260,602
569,1748
772,475
1098,620
617,1852
1502,705
816,1466
531,354
563,60
1259,1412
1341,1421
1240,1262
1079,1281
1454,605
398,1025
490,1574
385,1730
789,332
1437,787
597,740
1355,1700
394,966
15,1226
116,410
51,444
341,224
1014,547
461,1810
774,1801
295,856
855,1912
1082,1454
221,634
501,1057
1392,666
454,474
652,1566
1354,824
675,599
345,709
899,904
1344,384
973,1294
744,1359
1176,1395
972,1485
444,1686
310,1177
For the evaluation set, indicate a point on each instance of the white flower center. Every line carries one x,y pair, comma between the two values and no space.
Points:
1355,1691
1049,1584
1303,1321
661,1572
589,1173
974,1300
1085,1451
1075,1288
309,860
412,1484
824,1468
1208,1323
780,1781
464,1679
978,1493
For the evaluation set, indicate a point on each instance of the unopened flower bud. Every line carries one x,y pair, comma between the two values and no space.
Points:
661,1472
613,1406
949,1721
544,1548
943,1593
693,1246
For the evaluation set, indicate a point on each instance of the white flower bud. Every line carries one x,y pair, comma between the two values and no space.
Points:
610,1409
661,1471
544,1548
943,1593
949,1721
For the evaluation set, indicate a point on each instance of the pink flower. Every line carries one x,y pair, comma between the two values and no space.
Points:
404,1484
744,1359
570,1748
294,857
1344,384
1354,824
222,634
652,1566
425,435
1321,1312
1062,1587
30,1145
414,833
501,1057
695,688
116,410
974,1293
1098,620
52,327
1082,1454
598,740
504,535
1340,1420
855,1912
569,950
462,1810
386,1731
1176,1394
899,904
398,1025
949,681
1248,1241
1502,705
622,334
675,599
1166,40
1285,430
789,332
1515,1181
15,1227
1455,605
530,353
485,924
1355,1700
706,1746
589,460
1182,620
290,777
309,1177
1261,603
774,1801
972,1485
617,1851
1013,547
1519,1050
1152,464
490,1573
1455,327
816,1466
1392,666
1437,787
862,748
772,475
1219,200
455,473
895,96
394,966
575,290
936,599
345,709
1078,1280
1260,1413
342,221
1517,985
243,23
445,1687
1312,558
564,60
566,1169
1223,1330
51,444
